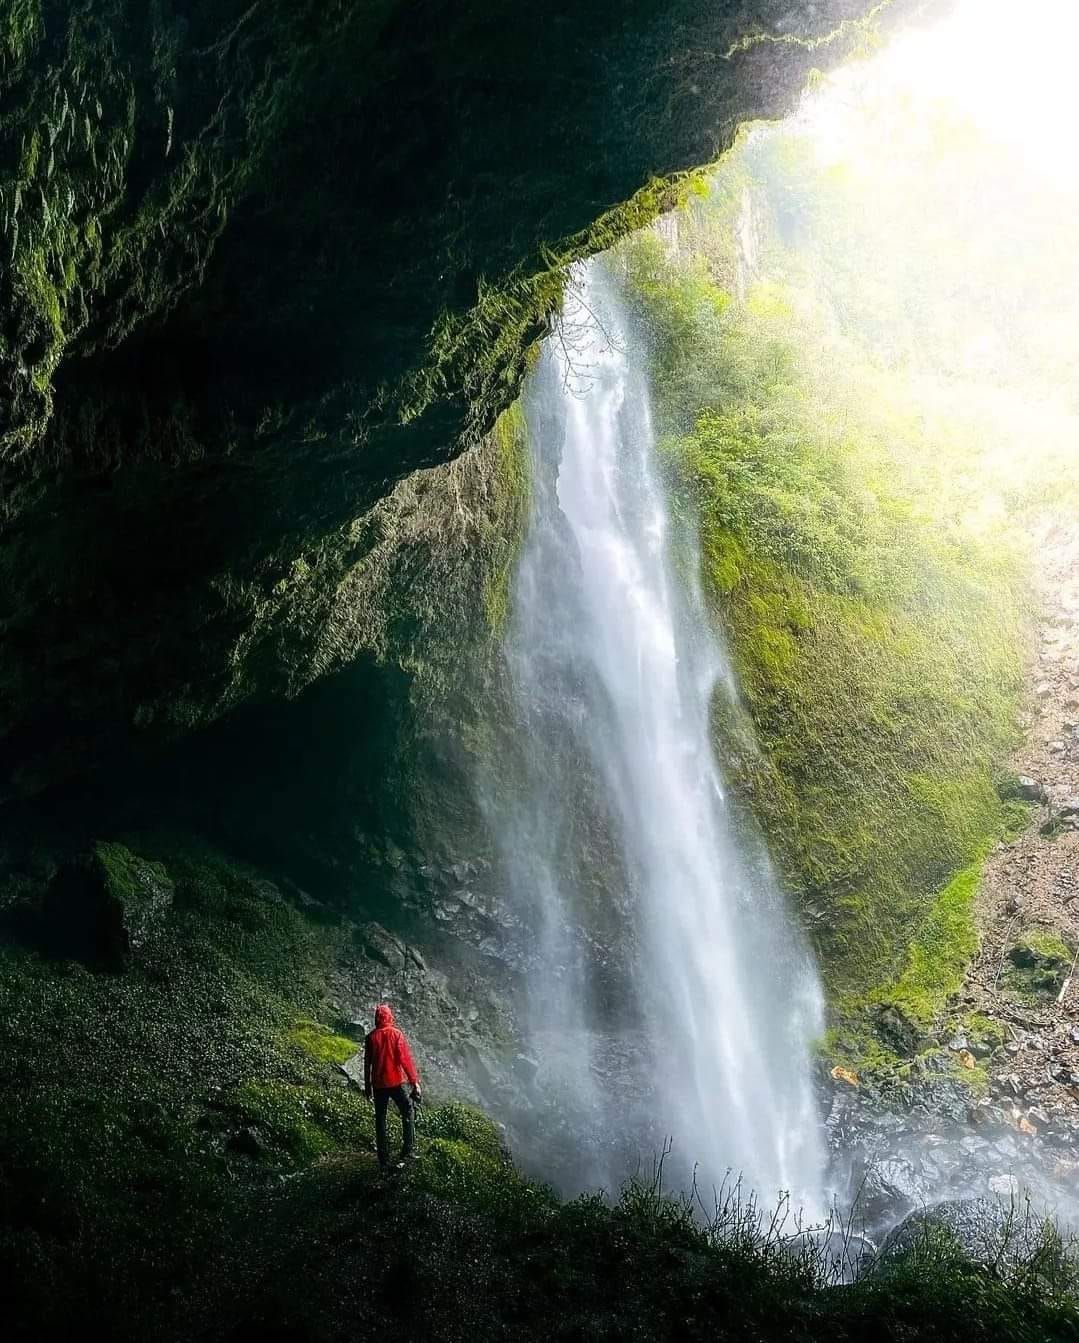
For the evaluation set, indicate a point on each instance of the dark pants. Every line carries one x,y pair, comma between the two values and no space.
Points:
403,1101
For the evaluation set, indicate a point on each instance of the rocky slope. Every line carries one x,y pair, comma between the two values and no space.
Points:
1027,910
987,1102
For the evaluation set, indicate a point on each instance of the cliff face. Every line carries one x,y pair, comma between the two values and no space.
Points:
261,262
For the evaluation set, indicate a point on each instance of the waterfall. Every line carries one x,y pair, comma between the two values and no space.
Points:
670,994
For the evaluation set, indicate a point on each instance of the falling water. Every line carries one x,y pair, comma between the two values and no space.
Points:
671,994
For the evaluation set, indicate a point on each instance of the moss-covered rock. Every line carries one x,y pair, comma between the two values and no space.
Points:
263,263
1038,963
106,905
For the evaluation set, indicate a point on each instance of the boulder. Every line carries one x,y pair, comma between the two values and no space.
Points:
985,1229
889,1189
104,906
353,1068
896,1030
380,945
247,1143
1030,790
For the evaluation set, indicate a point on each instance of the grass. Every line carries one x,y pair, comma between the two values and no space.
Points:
462,1247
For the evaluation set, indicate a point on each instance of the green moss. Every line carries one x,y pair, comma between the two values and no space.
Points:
1016,819
985,1034
462,1123
301,1123
124,873
1038,963
855,1046
939,954
513,481
318,1042
455,1170
1047,946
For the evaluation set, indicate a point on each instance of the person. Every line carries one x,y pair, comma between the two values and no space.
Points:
387,1066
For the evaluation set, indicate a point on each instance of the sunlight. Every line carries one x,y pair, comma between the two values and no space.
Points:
1007,71
1009,68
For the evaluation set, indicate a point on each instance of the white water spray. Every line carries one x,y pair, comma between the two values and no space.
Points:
621,834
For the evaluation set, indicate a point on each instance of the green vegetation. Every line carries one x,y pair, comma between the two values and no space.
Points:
939,953
1038,963
296,1123
878,648
512,481
983,1033
854,458
122,1093
319,1042
463,1247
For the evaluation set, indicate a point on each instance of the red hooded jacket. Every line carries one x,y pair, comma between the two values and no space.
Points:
387,1059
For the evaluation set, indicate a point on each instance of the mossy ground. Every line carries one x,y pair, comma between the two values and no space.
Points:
461,1247
319,1042
121,1092
180,1155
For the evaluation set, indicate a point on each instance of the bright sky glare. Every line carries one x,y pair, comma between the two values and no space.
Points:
1009,68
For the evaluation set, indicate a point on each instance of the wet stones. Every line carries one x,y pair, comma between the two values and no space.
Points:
896,1031
380,945
526,1068
983,1228
1030,790
1068,812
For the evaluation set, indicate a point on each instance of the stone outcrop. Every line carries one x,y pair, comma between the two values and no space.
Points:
261,262
104,906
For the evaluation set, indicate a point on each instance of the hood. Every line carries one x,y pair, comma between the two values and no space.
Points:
383,1015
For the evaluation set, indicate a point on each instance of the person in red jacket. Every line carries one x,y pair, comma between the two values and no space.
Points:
387,1065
